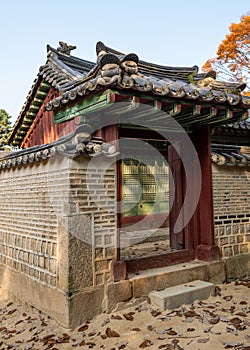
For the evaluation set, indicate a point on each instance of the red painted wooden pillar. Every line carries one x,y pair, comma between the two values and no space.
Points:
204,242
176,194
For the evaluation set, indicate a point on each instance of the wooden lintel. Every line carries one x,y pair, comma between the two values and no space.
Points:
88,105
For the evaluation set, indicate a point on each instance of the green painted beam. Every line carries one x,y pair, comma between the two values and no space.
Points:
88,105
102,102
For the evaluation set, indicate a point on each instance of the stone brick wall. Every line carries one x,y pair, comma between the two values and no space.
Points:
28,225
58,222
231,193
93,197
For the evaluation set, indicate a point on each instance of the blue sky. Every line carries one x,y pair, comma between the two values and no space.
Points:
174,33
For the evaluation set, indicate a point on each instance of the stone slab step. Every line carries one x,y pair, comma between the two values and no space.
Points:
173,297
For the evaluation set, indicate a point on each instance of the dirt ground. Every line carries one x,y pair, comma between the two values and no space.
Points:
220,322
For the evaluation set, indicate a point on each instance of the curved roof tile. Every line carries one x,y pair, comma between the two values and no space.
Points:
117,70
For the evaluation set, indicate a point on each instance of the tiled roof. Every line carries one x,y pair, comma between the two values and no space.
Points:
230,155
72,145
233,133
243,125
75,77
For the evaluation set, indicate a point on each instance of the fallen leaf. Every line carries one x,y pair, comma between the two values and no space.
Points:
122,345
146,343
90,344
214,320
128,317
76,343
94,334
116,317
241,313
111,333
155,313
235,320
217,291
190,329
11,312
171,332
203,340
82,343
131,313
136,329
83,328
208,329
228,345
65,336
47,337
18,322
32,328
191,313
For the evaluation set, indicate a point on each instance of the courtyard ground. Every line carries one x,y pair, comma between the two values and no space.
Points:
220,322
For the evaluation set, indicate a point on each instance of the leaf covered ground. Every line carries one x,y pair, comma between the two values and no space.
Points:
220,322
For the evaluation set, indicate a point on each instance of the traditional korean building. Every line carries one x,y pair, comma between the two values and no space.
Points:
113,177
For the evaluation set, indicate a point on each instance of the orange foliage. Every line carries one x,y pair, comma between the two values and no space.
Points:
207,66
233,55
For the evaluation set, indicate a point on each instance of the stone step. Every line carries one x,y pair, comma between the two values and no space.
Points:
173,297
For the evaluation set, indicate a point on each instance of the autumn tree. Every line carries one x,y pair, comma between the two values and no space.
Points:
5,127
232,61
